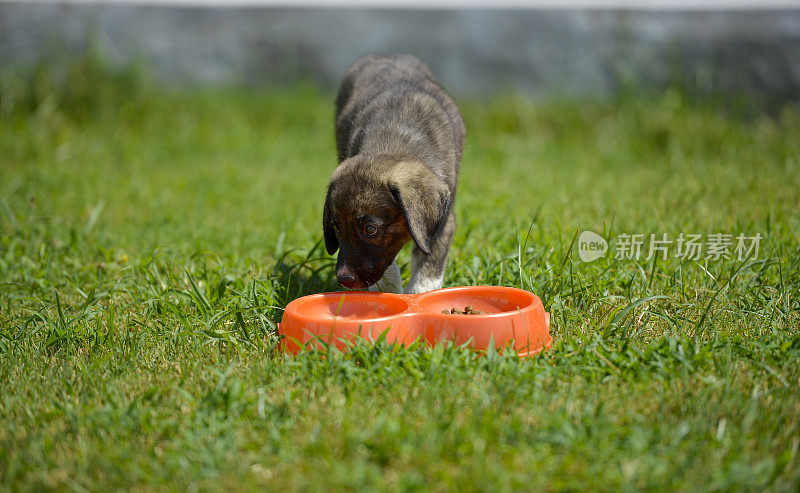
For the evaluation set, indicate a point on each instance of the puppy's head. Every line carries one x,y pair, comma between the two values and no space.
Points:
373,207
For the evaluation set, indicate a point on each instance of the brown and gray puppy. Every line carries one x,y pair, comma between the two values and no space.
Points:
400,137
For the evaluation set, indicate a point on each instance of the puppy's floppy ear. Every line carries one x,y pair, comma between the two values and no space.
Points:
424,198
328,231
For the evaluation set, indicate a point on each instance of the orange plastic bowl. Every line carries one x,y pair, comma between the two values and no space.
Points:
332,318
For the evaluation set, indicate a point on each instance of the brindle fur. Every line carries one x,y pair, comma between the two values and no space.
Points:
399,136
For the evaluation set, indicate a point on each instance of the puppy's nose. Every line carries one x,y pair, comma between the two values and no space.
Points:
346,279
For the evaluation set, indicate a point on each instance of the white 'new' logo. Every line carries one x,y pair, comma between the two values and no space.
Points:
591,246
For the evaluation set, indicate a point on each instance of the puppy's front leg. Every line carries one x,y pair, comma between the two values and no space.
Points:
391,282
427,271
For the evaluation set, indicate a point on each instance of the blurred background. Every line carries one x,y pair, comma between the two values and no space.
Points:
578,48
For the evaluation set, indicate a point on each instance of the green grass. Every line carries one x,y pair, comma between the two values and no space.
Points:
150,238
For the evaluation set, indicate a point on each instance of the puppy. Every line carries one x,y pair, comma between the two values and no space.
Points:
400,137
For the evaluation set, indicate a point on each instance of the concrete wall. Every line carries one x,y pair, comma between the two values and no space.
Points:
473,51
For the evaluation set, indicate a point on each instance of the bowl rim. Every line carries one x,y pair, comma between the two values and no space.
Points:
293,306
413,304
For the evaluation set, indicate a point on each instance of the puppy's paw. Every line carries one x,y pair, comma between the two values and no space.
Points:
391,282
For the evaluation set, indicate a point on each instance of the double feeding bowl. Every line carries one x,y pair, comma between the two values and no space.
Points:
508,315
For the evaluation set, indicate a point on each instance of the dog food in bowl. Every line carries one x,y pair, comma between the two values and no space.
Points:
468,310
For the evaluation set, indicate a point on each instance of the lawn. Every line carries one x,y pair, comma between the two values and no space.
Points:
149,238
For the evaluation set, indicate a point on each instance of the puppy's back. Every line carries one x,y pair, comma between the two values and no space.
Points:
381,92
375,72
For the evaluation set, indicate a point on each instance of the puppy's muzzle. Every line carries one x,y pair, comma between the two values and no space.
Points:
346,277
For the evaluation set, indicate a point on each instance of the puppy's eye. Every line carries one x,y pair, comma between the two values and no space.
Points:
370,230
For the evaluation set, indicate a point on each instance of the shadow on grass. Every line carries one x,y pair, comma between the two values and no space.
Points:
299,275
